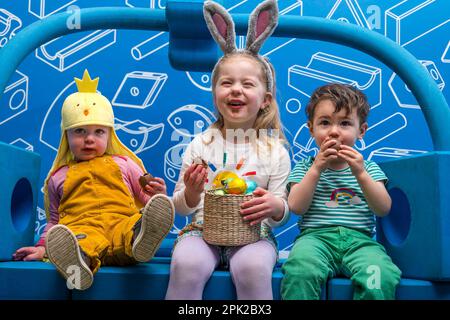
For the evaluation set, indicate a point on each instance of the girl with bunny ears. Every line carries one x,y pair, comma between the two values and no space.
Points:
248,132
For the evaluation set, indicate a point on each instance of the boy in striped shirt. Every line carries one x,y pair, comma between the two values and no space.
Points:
337,194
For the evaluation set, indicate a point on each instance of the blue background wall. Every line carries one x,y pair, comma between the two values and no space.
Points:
153,101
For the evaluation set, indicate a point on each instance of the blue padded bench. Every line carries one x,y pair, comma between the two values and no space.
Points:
408,289
31,280
144,281
148,281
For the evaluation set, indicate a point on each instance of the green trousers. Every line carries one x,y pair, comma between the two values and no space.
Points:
322,253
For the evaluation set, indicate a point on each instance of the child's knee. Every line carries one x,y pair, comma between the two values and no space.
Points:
250,271
378,275
195,269
305,270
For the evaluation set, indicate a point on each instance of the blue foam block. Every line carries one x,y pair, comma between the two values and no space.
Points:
416,233
191,46
408,289
19,172
31,280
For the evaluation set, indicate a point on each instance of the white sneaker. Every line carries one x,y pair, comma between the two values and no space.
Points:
64,252
157,219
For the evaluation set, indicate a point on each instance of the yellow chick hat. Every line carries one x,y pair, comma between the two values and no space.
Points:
86,107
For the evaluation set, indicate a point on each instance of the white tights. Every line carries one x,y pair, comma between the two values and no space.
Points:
194,260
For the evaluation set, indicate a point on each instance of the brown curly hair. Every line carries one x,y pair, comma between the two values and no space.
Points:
343,97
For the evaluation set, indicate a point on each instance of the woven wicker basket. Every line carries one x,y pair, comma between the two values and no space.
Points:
223,224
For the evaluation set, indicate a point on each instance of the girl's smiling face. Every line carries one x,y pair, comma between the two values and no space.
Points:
240,92
89,141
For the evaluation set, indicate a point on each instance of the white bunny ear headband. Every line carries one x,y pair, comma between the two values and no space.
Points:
262,22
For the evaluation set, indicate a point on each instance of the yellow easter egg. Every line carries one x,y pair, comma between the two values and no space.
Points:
236,186
222,177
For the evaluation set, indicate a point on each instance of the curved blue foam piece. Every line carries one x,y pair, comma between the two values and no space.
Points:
42,31
407,67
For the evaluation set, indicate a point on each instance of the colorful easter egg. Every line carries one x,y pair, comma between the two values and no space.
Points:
236,186
219,192
251,186
222,177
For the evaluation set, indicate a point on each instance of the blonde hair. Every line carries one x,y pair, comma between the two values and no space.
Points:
267,118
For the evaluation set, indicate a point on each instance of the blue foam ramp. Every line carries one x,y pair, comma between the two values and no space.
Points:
408,289
31,281
416,233
19,184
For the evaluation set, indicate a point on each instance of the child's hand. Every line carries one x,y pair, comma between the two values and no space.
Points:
156,186
194,178
29,253
354,159
328,152
263,206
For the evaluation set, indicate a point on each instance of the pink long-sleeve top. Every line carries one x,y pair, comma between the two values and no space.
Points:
130,174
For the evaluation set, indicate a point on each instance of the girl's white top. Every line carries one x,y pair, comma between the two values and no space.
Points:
271,164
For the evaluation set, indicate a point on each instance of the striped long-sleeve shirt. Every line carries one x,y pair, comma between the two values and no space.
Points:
338,199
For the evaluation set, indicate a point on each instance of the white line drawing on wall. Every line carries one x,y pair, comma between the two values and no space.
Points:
173,158
446,55
382,130
15,97
149,46
324,68
386,153
402,93
41,221
293,105
138,136
177,225
303,144
410,20
49,134
350,13
200,80
139,89
23,144
152,4
191,119
291,7
65,52
281,238
9,24
44,8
